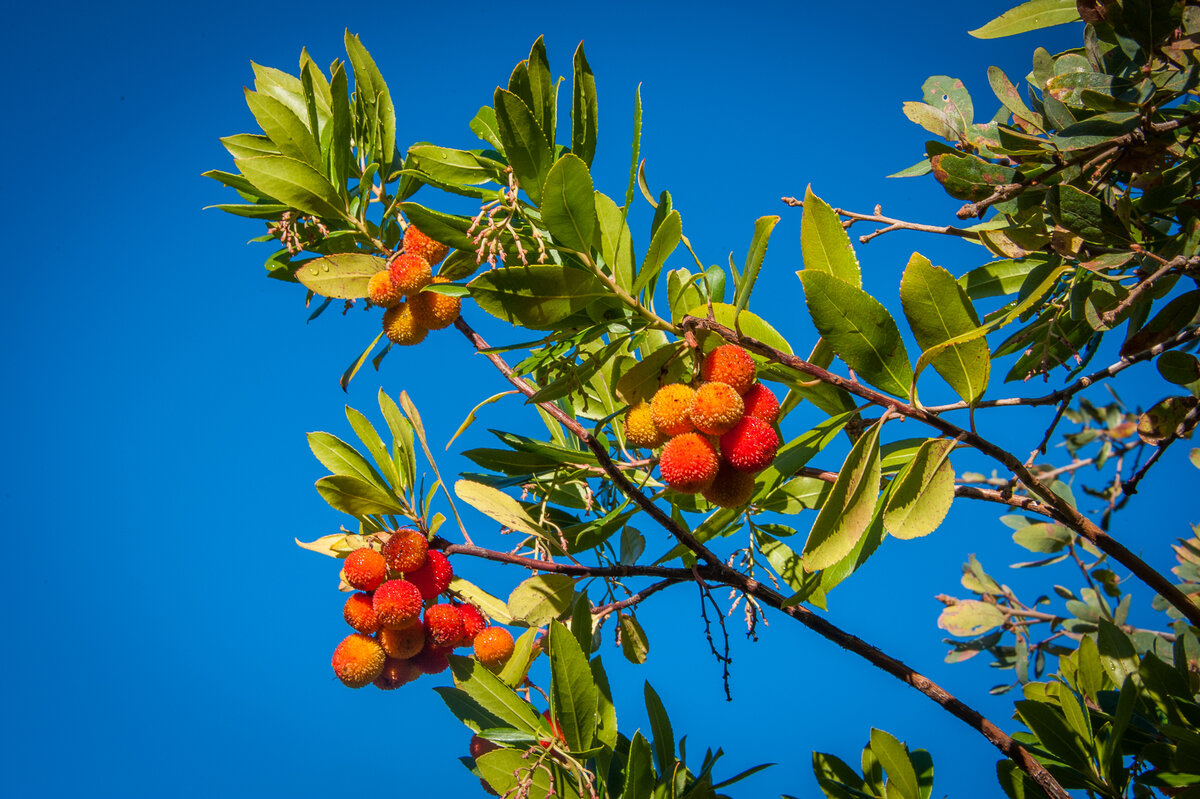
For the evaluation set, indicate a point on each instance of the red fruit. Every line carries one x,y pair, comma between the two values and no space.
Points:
360,613
443,626
418,243
434,577
730,364
493,647
555,729
481,746
358,660
405,550
410,273
395,673
751,445
404,642
365,569
688,463
716,407
730,488
431,660
474,622
397,603
760,403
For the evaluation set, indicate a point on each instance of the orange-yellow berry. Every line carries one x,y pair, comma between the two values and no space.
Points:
640,430
434,577
493,647
730,488
381,291
404,642
730,364
358,660
365,569
671,409
418,243
405,550
410,273
360,613
397,603
395,673
401,327
688,463
435,311
716,407
761,403
751,445
443,626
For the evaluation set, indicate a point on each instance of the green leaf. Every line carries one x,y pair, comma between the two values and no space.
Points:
893,756
497,505
660,728
568,205
543,89
1007,94
1029,16
341,155
1043,537
1058,739
333,546
584,119
634,644
285,129
997,279
454,166
525,144
615,242
343,276
403,437
515,670
969,177
606,713
541,598
1085,215
860,330
498,767
784,561
1117,652
968,618
639,769
370,438
445,228
666,238
1180,368
938,310
1162,420
640,381
340,458
754,258
467,710
536,297
295,183
745,322
849,507
924,492
492,607
573,695
371,94
356,497
825,244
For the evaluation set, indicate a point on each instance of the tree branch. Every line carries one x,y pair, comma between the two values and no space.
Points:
892,224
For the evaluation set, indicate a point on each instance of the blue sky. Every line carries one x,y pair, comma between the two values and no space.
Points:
164,633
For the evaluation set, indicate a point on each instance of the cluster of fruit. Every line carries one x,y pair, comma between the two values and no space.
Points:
717,436
394,644
407,321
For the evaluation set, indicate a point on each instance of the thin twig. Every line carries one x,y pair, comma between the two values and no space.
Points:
1184,428
892,224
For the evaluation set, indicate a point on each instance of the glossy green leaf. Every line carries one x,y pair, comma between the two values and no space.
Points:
568,205
893,756
997,279
664,241
1085,215
660,727
467,710
584,119
1029,16
517,668
287,132
483,125
295,183
356,497
969,177
746,322
540,599
1180,368
343,276
352,369
754,258
1045,537
543,89
525,144
849,507
1053,733
1008,95
606,712
783,560
634,643
924,492
504,770
372,94
454,166
498,506
938,310
536,297
340,458
639,769
1117,652
573,695
860,330
968,618
614,240
824,243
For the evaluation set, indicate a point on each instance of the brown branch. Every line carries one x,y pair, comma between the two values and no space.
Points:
1062,510
571,569
892,224
1109,317
603,610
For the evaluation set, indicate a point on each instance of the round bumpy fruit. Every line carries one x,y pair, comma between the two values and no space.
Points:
688,463
358,660
365,569
401,327
417,243
381,291
729,364
404,642
431,660
360,613
474,622
443,626
410,273
405,550
397,603
751,445
671,409
716,407
395,673
493,647
730,488
640,430
761,403
434,577
435,311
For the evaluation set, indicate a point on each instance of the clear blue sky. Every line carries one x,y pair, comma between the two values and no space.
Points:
164,634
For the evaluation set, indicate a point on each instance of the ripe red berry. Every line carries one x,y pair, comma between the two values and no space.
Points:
418,243
410,273
358,660
761,403
443,626
434,577
431,660
555,729
730,364
688,463
405,550
716,407
359,613
751,445
365,569
397,603
474,622
395,673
